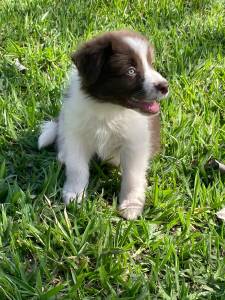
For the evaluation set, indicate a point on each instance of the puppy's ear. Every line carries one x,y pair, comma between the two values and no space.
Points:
90,58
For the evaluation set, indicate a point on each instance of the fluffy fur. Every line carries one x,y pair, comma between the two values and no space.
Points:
109,110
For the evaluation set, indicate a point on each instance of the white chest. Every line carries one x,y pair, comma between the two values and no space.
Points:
107,139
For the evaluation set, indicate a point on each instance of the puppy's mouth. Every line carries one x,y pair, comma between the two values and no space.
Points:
148,107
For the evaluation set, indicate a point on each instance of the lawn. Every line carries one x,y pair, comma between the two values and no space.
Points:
177,249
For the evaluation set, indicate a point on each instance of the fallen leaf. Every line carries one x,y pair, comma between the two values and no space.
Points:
216,165
21,68
221,214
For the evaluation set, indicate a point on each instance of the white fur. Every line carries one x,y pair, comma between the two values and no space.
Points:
115,133
48,134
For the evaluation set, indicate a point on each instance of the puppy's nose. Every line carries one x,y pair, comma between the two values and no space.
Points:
162,87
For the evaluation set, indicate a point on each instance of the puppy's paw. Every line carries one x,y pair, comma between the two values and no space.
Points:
130,211
69,196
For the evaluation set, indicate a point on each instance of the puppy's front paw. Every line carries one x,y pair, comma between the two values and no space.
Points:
130,210
69,196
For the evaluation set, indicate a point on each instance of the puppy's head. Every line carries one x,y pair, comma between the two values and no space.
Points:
116,67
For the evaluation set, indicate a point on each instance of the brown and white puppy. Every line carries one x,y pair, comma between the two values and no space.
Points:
110,109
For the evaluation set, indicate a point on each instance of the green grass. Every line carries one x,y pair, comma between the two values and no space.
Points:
177,249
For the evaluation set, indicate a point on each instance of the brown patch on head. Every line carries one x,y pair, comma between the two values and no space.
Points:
90,57
104,64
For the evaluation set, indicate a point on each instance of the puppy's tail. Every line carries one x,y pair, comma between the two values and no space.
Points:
48,134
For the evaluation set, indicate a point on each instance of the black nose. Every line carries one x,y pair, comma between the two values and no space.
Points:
162,87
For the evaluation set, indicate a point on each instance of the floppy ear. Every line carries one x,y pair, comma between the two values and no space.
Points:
90,58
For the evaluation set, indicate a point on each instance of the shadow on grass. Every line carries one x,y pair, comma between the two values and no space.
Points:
40,172
26,166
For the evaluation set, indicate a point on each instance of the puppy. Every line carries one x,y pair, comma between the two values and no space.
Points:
110,109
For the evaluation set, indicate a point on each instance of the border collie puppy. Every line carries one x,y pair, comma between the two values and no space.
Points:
110,109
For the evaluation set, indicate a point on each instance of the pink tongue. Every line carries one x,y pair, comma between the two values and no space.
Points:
152,107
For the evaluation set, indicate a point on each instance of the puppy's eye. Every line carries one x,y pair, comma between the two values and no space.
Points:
131,72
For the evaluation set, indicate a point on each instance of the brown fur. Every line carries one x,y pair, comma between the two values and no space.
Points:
154,123
102,64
